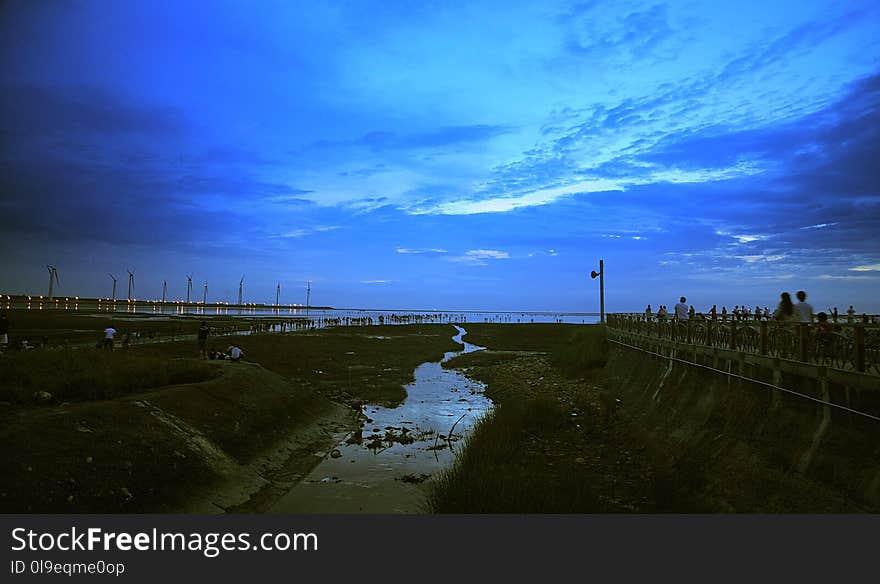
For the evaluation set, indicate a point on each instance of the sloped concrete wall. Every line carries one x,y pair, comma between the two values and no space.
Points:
730,445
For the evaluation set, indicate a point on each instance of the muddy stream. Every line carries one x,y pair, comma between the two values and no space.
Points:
384,468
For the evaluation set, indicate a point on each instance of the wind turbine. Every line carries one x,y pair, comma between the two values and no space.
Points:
240,285
189,286
205,294
53,279
164,290
308,296
130,283
278,296
114,285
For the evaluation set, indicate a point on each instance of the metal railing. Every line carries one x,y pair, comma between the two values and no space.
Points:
850,346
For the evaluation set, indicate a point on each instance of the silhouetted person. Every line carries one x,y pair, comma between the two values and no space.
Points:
803,309
108,337
203,339
714,312
4,332
850,314
681,309
648,313
723,313
235,353
785,310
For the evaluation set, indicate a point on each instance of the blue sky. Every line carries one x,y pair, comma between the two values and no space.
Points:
459,155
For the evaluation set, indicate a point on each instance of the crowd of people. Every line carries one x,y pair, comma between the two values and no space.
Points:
786,311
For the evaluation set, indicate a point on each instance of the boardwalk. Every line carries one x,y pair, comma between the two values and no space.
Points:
850,347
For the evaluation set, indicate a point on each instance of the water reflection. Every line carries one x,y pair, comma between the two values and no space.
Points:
382,468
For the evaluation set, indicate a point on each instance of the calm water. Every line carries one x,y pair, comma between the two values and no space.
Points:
377,473
320,317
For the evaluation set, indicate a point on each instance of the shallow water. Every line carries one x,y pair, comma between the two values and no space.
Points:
366,476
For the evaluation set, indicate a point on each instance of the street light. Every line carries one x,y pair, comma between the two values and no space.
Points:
601,274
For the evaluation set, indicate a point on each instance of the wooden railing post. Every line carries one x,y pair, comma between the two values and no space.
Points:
764,338
859,347
733,343
689,332
803,341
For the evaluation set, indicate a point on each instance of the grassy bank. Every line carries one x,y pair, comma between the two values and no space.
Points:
62,327
74,375
554,443
370,364
149,452
158,439
569,435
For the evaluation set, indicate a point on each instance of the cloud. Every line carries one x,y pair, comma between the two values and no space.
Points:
751,259
446,136
377,281
871,268
405,250
480,257
304,232
510,203
831,277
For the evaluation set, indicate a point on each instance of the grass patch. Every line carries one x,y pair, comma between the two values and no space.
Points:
586,350
543,337
520,460
370,364
83,374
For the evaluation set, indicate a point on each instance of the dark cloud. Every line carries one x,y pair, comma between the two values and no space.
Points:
89,165
29,111
439,138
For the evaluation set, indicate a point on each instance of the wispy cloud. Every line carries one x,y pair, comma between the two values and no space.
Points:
405,250
480,257
305,232
871,268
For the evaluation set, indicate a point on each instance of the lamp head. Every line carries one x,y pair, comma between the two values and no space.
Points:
594,274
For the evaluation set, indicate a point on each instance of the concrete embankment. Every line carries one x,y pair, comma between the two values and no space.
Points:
731,445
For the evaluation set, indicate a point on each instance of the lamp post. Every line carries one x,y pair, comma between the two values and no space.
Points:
601,274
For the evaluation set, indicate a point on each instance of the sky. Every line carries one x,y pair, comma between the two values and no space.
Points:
444,155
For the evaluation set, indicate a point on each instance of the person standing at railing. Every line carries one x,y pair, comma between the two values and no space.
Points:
850,314
713,312
803,310
723,314
766,313
648,314
785,311
757,312
681,309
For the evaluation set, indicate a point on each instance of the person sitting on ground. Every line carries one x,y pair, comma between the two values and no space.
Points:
235,353
785,311
803,310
